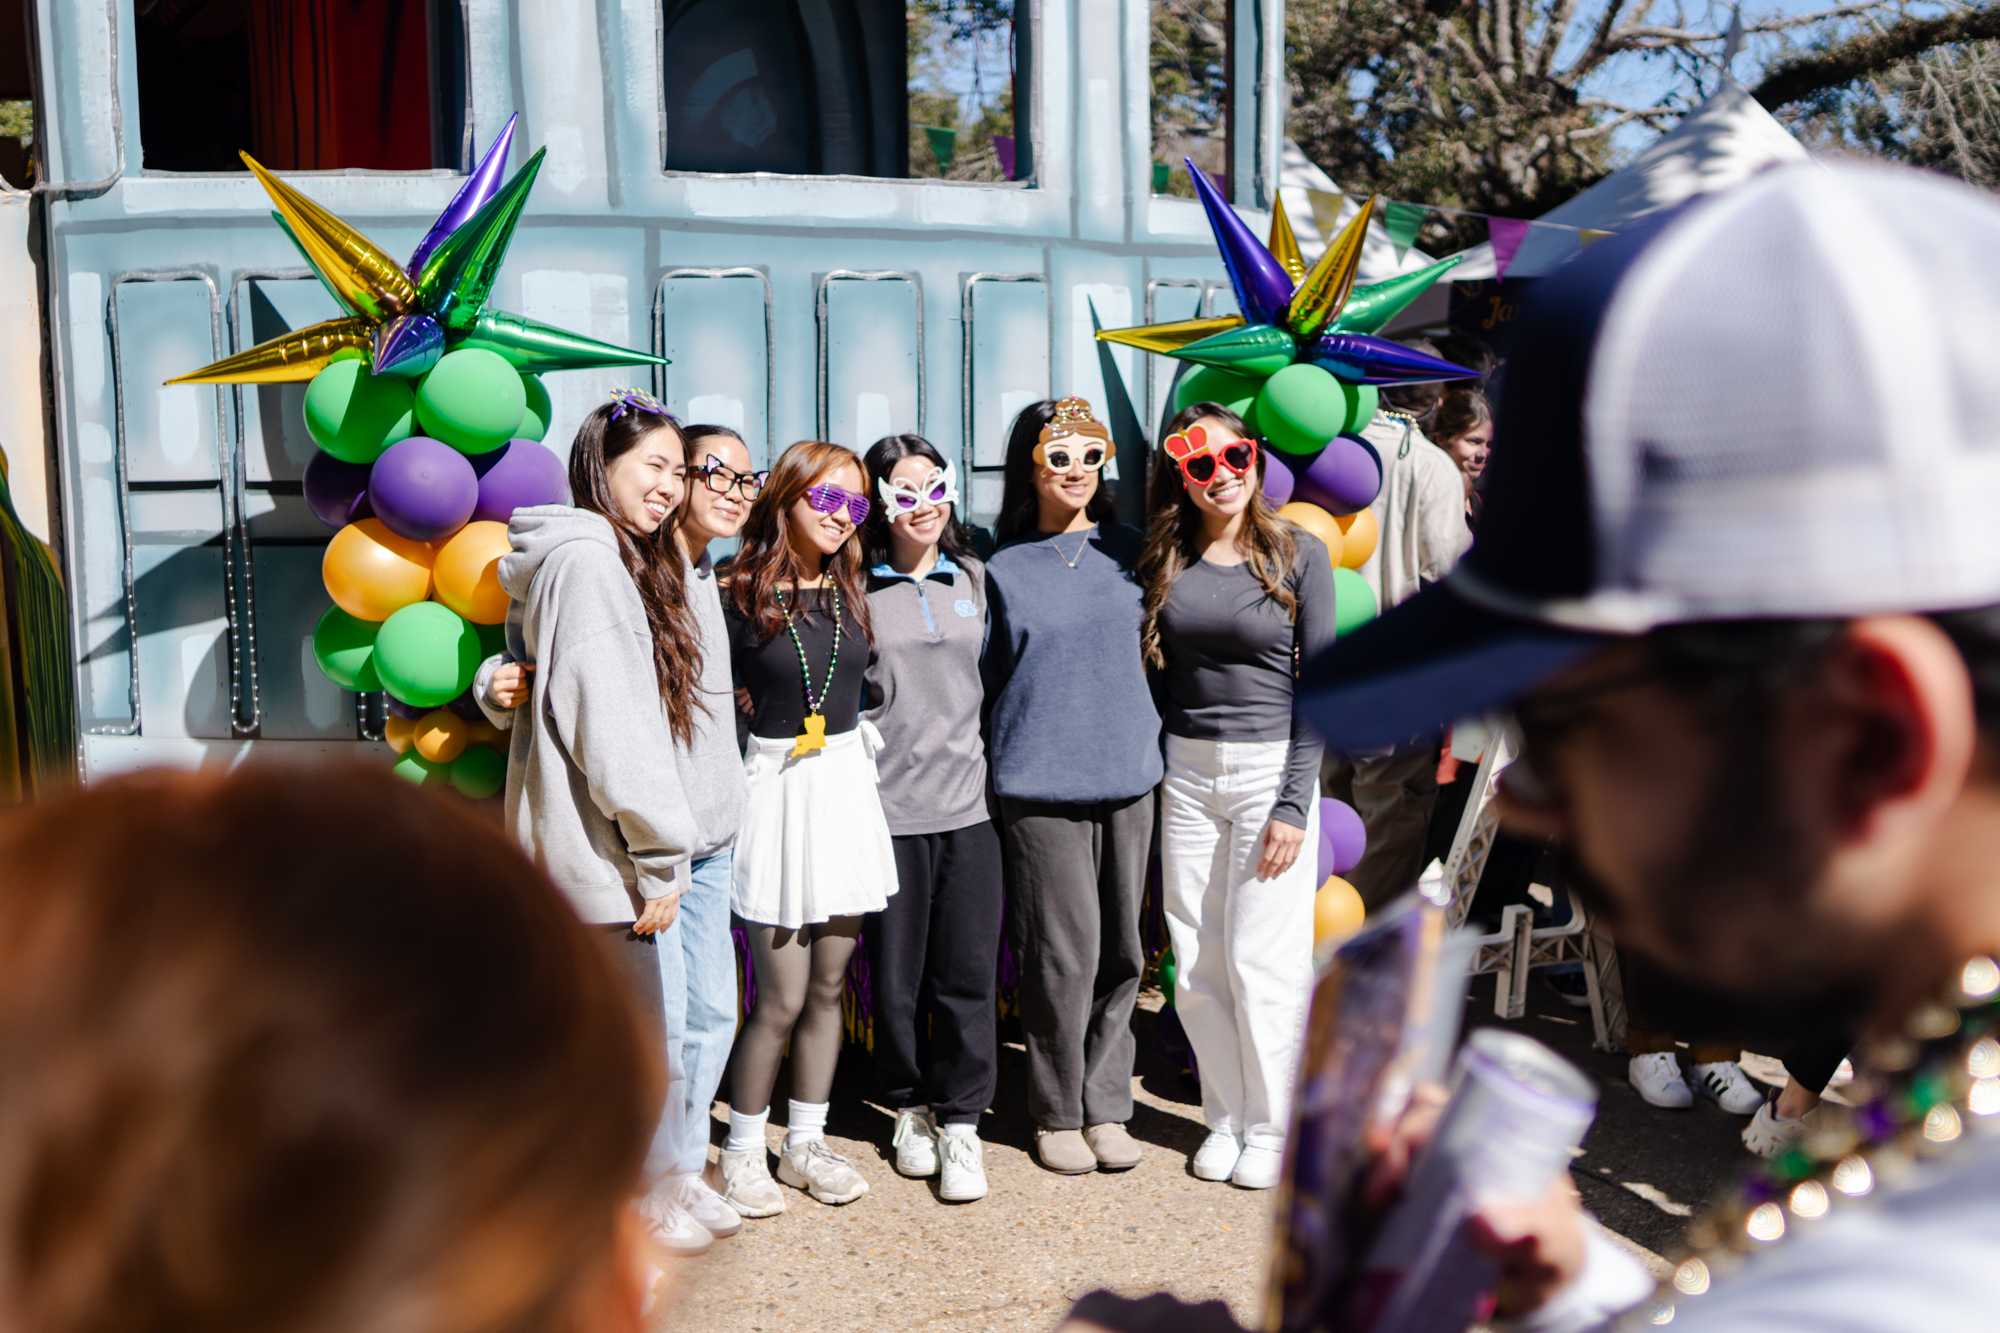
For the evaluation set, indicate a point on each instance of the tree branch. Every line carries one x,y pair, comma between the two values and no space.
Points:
1864,54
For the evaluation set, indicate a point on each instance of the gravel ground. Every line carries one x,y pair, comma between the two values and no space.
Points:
898,1258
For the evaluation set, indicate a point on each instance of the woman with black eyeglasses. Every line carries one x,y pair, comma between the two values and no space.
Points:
1236,598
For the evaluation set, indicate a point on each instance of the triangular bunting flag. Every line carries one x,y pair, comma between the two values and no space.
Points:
1506,235
1589,236
1402,221
944,145
1327,206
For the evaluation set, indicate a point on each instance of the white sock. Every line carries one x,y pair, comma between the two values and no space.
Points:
746,1132
806,1121
967,1131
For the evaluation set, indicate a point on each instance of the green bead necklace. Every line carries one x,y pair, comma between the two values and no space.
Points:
812,738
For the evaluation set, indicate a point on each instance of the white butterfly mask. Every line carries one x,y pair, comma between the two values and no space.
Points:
939,488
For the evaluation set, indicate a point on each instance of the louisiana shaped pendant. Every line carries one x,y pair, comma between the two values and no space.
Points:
812,739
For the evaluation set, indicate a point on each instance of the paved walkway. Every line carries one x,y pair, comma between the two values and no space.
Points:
900,1259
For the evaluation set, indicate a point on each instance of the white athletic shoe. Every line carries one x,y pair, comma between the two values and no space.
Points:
747,1186
1725,1084
964,1178
1216,1157
916,1143
707,1207
1766,1136
672,1227
821,1172
1658,1079
1258,1168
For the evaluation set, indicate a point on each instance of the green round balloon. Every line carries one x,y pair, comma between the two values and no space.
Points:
426,654
1353,601
344,647
1209,384
479,772
535,420
1362,404
413,767
1302,407
354,415
472,400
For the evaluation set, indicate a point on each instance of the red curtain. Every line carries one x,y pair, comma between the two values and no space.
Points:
340,83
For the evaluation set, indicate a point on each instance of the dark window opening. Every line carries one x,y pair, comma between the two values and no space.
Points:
927,88
1191,67
17,107
307,85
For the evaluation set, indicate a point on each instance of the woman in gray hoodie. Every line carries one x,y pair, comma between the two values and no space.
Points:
595,788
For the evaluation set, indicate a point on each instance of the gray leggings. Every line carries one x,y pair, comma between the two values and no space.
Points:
799,976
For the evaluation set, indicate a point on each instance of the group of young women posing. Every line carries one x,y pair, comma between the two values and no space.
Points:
918,721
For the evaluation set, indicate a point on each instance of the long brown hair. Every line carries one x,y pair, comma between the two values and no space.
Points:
304,1050
653,560
765,565
1173,534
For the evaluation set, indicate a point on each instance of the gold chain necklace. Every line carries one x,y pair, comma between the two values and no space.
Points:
1923,1089
1081,547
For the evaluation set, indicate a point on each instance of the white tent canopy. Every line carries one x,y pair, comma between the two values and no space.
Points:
1315,221
1724,141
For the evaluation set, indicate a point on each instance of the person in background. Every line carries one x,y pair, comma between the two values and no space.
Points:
602,778
1236,598
1464,430
1420,510
933,949
1074,743
697,978
814,854
325,1071
1653,1065
1812,1065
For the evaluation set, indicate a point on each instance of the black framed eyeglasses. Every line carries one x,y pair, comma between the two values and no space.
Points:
721,479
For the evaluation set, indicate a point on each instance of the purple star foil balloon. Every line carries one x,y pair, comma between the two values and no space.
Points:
408,346
480,186
1362,358
1262,286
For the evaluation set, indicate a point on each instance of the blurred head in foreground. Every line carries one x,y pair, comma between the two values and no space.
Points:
1736,579
305,1049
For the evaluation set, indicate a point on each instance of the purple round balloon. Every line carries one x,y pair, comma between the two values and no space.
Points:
1278,481
520,473
397,708
1342,839
423,489
1342,478
467,707
336,491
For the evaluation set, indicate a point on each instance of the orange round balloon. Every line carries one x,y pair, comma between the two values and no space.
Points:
442,735
1319,523
468,572
371,573
1363,531
400,732
1337,911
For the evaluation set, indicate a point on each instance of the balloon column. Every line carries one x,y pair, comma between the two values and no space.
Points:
428,418
1301,364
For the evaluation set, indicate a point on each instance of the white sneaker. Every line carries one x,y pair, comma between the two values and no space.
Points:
1766,1136
1658,1079
821,1172
1725,1084
672,1227
747,1186
1258,1168
964,1179
1216,1157
707,1207
916,1143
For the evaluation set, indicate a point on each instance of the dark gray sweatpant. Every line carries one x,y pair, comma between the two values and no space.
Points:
1075,874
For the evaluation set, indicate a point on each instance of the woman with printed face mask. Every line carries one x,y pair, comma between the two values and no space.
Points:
933,949
1074,741
814,854
1236,598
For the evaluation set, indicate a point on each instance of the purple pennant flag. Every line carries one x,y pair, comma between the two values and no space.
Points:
1003,148
1506,235
480,186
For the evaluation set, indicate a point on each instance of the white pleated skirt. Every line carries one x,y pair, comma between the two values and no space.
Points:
814,843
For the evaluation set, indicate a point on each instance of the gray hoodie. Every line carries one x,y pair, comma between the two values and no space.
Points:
593,788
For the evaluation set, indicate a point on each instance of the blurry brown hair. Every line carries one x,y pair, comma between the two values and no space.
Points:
303,1050
765,564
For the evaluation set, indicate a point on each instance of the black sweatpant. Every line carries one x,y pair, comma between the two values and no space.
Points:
932,953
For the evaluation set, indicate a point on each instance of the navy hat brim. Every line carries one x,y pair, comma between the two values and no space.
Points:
1431,661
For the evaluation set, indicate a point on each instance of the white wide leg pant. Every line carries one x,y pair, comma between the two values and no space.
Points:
1243,945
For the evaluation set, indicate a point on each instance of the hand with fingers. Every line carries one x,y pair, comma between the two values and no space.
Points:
1280,848
659,913
511,685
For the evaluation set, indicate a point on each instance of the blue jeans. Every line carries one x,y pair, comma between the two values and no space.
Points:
698,985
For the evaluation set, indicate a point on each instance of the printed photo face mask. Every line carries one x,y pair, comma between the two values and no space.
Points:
1073,439
940,488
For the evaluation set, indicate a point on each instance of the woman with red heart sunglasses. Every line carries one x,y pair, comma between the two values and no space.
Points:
1236,598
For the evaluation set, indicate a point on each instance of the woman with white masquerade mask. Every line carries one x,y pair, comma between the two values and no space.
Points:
940,935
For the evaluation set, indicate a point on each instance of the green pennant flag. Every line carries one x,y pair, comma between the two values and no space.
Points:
1162,177
1402,221
944,145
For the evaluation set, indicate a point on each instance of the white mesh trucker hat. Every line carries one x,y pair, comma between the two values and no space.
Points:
1778,402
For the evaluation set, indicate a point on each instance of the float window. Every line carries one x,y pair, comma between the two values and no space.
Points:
1191,64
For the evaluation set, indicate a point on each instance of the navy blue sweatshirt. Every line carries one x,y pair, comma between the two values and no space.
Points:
1071,716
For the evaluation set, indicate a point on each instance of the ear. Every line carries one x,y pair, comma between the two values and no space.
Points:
1899,700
